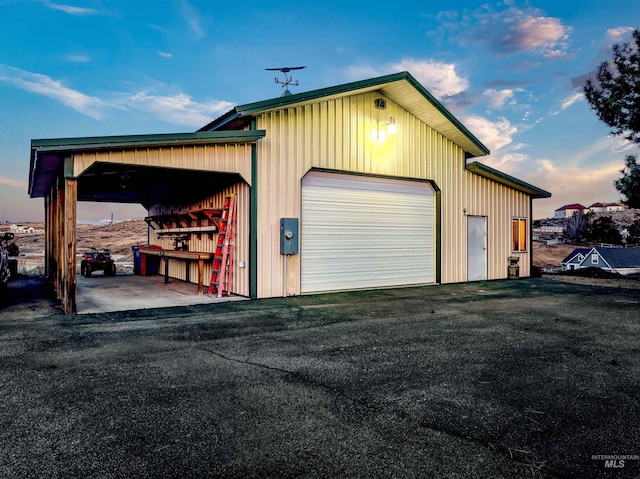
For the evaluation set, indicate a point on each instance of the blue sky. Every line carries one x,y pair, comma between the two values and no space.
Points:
511,71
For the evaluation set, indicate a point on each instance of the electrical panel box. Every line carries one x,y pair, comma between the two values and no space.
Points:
288,236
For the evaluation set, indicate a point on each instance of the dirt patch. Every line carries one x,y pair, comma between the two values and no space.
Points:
550,256
118,237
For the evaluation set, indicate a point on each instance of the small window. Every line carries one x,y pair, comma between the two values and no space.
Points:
594,258
519,234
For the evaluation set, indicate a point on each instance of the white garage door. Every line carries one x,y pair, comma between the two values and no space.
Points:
364,232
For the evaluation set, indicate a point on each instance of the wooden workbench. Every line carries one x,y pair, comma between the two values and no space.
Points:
187,256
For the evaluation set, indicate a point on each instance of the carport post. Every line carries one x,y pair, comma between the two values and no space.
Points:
70,209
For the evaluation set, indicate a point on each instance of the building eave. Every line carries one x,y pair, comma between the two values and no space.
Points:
507,180
47,155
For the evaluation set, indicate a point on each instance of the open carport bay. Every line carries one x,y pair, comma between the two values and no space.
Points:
528,378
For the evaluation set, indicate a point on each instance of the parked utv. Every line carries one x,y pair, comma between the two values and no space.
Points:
95,259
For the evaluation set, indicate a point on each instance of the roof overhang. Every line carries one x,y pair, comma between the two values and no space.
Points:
402,88
504,179
48,155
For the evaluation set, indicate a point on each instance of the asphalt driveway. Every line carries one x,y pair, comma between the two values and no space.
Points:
527,378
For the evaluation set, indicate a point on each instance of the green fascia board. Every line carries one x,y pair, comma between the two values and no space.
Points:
144,141
284,101
502,178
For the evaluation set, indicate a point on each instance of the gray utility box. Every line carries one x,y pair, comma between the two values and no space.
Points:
288,236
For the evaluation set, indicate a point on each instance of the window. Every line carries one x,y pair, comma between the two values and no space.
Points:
594,258
519,234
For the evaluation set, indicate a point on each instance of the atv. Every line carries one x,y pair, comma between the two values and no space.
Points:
95,259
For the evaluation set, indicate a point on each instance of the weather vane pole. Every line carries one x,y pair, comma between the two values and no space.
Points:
288,79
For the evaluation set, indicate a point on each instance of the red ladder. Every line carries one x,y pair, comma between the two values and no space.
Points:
222,268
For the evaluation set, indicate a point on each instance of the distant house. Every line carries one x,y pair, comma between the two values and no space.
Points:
616,260
606,207
567,211
573,260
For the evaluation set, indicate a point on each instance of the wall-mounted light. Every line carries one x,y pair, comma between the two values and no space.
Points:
381,132
392,128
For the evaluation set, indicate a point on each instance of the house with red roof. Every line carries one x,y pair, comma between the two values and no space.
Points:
606,207
567,211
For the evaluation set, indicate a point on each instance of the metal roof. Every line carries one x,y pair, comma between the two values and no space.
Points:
47,155
402,88
503,178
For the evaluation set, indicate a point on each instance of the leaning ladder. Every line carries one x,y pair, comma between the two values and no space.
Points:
222,268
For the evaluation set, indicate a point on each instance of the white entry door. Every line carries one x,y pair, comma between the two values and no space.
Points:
476,248
365,232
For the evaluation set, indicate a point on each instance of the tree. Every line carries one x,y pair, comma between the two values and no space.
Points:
604,230
634,232
629,184
616,99
577,226
616,96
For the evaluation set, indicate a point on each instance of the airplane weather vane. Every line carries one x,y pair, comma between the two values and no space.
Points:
288,79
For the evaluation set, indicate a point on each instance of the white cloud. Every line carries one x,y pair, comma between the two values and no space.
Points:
568,101
46,86
174,107
587,177
508,29
13,183
616,35
494,134
165,54
179,108
572,183
192,17
79,58
441,79
536,33
498,98
71,10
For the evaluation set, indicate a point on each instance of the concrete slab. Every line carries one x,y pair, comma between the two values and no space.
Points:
126,292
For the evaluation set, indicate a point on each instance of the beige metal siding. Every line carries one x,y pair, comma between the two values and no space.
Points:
231,158
337,134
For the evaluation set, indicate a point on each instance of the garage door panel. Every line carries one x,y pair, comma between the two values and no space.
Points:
362,232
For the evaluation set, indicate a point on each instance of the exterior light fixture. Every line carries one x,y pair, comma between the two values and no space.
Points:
392,128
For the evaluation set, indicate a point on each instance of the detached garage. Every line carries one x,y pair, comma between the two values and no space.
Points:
378,176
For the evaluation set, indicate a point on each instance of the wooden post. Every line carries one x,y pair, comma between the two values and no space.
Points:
58,238
71,193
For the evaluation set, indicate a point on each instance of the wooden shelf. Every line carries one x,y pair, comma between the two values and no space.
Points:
207,221
190,229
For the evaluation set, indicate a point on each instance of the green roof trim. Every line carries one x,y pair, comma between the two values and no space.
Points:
143,141
503,178
284,101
